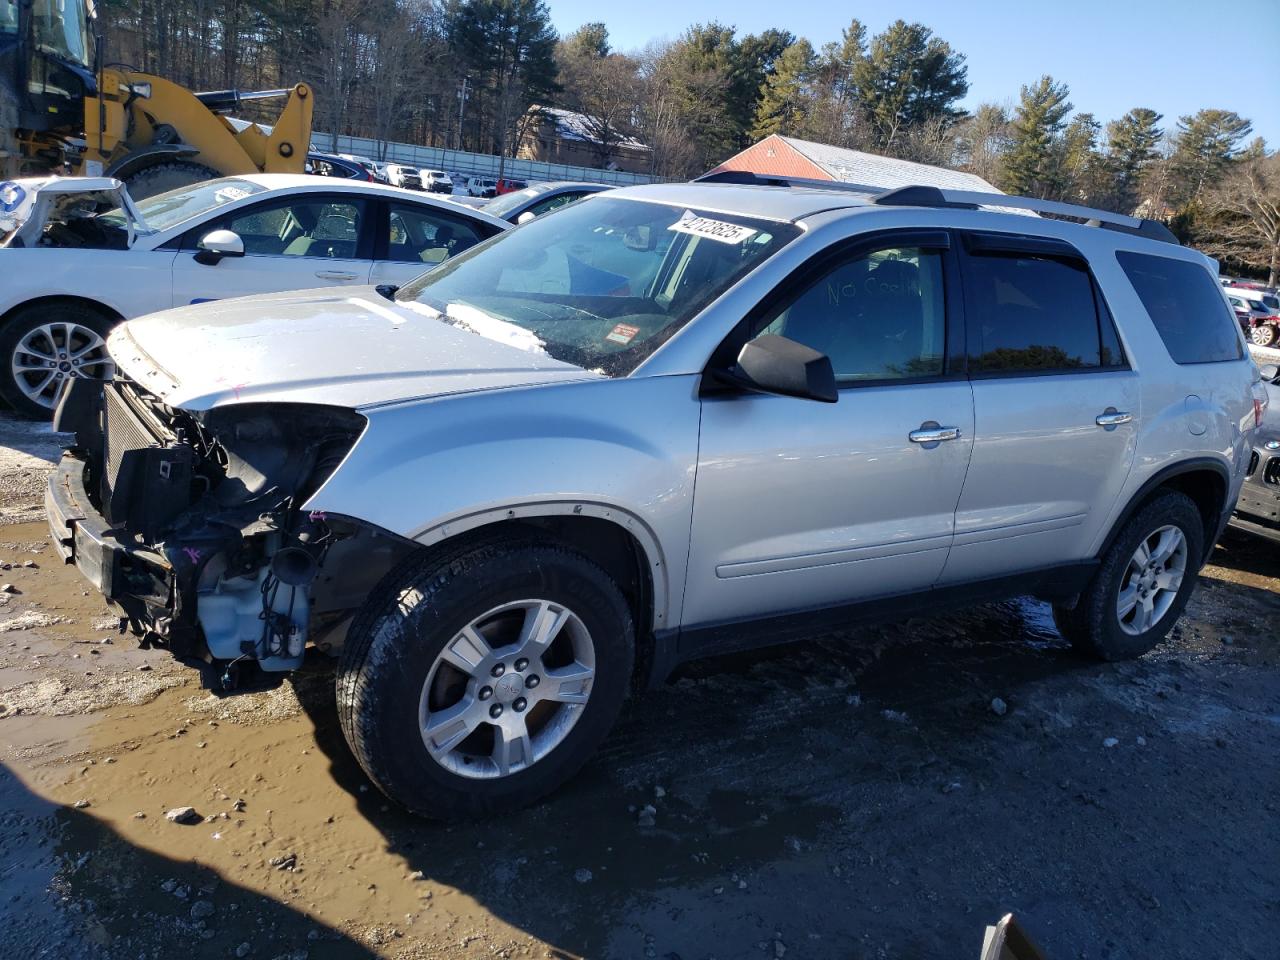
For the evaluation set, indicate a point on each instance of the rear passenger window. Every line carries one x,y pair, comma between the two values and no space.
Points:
1187,307
419,234
1030,314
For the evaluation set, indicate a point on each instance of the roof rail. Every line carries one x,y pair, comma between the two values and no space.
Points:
748,178
923,196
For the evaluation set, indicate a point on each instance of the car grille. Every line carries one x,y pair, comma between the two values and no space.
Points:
1253,464
1272,472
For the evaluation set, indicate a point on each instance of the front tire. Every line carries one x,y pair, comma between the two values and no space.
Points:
1143,583
44,346
1264,335
479,681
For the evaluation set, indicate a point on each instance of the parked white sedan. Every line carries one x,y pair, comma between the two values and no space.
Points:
94,260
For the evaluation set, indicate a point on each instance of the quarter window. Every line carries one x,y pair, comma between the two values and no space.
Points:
878,316
1186,307
1029,314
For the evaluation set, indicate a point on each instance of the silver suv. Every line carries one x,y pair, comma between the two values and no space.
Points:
662,422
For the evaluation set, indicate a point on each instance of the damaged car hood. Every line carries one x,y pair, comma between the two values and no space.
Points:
348,347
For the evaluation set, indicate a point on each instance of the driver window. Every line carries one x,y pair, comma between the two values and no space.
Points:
878,316
300,228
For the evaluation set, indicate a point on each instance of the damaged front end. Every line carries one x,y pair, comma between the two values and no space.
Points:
192,523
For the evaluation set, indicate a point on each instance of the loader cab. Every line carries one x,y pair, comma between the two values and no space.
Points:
47,52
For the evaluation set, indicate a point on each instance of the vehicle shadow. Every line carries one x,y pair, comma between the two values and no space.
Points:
71,886
761,770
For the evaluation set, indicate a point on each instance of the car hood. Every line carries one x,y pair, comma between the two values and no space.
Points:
349,347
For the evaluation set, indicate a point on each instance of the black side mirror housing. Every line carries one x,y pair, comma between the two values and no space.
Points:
774,364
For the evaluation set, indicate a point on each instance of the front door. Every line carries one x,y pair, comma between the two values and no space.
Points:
299,243
800,504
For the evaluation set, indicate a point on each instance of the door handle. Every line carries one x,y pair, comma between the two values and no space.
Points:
335,275
1111,417
932,433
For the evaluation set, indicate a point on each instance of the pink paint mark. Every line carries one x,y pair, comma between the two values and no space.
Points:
192,554
237,388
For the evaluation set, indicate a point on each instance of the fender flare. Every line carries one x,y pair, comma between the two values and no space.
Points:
1161,477
624,519
139,160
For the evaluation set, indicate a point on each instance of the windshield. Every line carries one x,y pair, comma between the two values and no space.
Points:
166,210
59,27
1271,303
509,201
600,285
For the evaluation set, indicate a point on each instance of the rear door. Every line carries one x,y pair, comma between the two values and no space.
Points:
801,504
414,237
1056,409
293,243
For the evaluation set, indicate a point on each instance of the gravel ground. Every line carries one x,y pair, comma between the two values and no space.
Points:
882,793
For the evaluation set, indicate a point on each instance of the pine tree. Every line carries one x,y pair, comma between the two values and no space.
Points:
1081,176
1131,149
1206,144
786,100
908,76
1028,166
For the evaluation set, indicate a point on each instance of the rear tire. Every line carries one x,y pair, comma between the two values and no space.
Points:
1263,335
167,176
1095,625
399,682
70,336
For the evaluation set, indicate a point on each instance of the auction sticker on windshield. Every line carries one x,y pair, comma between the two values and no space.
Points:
712,229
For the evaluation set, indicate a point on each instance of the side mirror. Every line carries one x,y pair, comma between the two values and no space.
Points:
526,217
216,244
1270,372
773,364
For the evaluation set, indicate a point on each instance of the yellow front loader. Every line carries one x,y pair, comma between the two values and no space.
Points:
61,107
156,135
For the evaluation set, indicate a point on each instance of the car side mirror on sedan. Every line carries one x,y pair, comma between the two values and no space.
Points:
526,217
216,244
774,364
1270,372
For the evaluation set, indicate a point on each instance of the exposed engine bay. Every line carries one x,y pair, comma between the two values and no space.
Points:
209,550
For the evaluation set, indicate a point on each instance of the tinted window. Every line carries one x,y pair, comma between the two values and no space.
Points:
310,227
879,316
1186,306
1031,314
421,235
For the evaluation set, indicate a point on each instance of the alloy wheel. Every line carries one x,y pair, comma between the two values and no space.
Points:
1151,581
506,689
51,355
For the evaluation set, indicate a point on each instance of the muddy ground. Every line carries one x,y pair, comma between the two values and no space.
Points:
853,796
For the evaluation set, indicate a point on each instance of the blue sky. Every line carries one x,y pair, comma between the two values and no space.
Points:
1174,56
